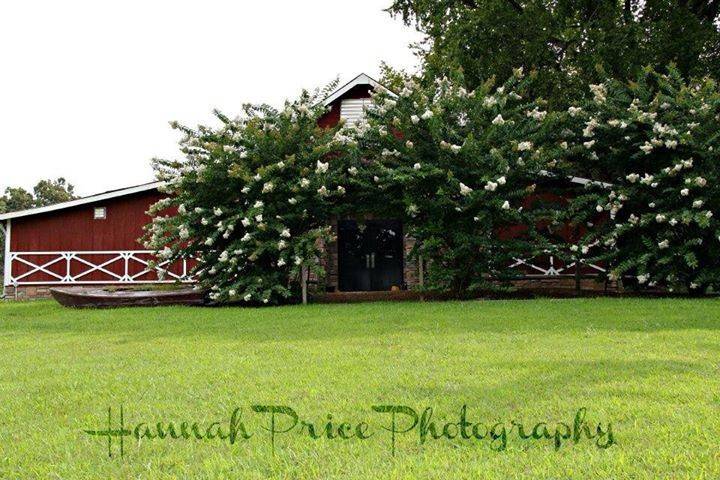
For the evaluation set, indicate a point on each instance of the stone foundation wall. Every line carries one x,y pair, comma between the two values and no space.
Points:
27,292
565,283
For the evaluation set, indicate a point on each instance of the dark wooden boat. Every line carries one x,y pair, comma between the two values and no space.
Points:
103,297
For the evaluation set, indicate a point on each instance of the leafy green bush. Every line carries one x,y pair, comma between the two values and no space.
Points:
251,199
655,142
459,166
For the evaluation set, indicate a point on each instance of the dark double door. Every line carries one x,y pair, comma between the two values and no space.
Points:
370,255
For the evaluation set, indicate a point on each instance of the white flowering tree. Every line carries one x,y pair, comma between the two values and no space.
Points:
251,200
458,166
654,143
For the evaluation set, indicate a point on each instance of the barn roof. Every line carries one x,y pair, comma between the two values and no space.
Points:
121,192
362,79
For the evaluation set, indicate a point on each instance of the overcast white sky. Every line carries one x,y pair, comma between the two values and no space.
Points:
87,87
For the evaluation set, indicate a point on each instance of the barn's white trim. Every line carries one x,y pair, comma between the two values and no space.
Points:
83,201
89,262
361,79
7,271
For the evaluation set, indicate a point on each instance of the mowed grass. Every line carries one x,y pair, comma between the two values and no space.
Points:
650,367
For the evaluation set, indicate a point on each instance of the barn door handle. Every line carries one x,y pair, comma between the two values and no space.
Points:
372,260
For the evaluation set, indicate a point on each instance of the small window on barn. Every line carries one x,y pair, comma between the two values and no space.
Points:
353,109
100,213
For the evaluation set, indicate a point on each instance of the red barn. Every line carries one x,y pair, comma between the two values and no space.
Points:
91,240
94,240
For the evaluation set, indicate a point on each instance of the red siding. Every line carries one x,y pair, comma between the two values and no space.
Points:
74,229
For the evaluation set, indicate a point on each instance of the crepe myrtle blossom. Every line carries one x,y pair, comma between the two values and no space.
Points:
427,114
304,182
417,166
698,204
664,244
643,278
499,120
685,192
700,182
465,190
415,119
322,167
574,111
633,177
292,200
647,148
524,146
660,218
491,186
505,205
537,114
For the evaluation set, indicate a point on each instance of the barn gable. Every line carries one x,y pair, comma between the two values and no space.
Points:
349,101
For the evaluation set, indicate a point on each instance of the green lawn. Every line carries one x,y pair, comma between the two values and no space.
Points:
650,367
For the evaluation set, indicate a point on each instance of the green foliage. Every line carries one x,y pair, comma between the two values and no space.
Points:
252,199
458,167
656,142
46,192
16,198
570,43
49,192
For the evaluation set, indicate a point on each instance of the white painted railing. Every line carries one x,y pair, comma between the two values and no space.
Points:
116,266
550,267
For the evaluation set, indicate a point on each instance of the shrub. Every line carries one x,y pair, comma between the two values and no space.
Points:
655,141
252,199
458,166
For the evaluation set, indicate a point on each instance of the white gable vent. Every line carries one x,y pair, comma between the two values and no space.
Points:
353,109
